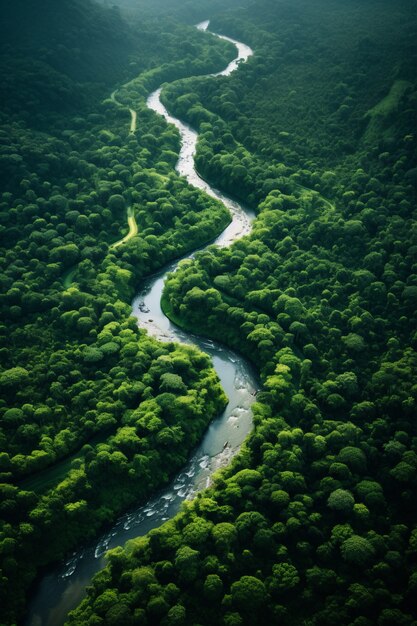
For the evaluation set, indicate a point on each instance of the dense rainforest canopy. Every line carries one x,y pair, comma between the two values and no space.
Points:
95,415
315,521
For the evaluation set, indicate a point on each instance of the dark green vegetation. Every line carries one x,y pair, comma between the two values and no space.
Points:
188,11
315,522
94,414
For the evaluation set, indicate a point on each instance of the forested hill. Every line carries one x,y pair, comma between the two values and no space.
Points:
324,66
189,11
76,38
61,56
53,54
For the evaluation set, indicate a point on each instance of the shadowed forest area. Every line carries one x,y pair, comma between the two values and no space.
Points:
314,522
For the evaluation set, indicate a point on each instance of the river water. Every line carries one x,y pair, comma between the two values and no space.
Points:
62,589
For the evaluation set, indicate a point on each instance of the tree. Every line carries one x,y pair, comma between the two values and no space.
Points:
321,579
280,499
354,458
197,532
116,202
224,535
157,607
284,577
213,588
354,342
249,593
341,500
172,383
105,601
187,563
371,493
14,378
119,615
232,619
13,417
357,551
176,616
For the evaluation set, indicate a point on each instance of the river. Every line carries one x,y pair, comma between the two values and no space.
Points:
63,588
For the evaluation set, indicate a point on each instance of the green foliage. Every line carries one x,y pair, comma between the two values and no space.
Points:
341,500
248,593
285,577
213,587
83,424
313,522
313,297
14,378
357,551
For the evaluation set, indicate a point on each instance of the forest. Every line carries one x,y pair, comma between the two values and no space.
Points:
314,522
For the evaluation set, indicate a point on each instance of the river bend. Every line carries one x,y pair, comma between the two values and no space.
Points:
63,588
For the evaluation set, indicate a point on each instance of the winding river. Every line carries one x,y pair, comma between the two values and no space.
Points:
63,588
